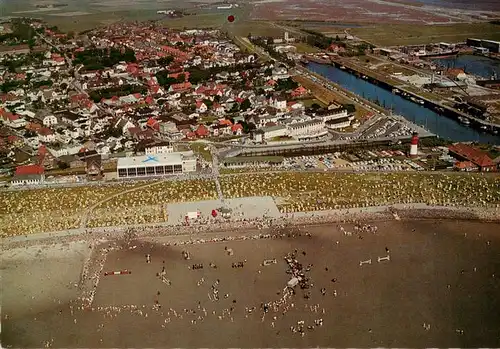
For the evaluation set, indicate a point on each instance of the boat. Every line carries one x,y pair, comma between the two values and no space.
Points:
413,99
395,91
483,127
463,120
421,102
439,54
342,67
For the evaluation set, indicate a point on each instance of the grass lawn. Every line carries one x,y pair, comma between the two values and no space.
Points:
403,34
309,102
305,48
199,148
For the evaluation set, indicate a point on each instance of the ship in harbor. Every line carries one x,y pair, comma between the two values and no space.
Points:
436,54
464,120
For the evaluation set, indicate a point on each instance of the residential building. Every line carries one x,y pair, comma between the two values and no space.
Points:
159,148
28,175
49,120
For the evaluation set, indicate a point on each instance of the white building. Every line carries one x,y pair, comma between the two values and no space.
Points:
313,128
338,123
156,165
32,179
49,120
160,148
274,131
280,73
334,114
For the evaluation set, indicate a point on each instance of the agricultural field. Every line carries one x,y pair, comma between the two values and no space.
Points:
400,34
296,192
148,205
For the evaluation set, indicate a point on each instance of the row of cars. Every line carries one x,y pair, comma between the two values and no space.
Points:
384,160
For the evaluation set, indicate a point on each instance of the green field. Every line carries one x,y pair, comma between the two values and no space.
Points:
305,48
392,35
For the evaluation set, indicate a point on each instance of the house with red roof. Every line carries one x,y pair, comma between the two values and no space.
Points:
28,175
153,124
463,151
299,92
201,107
237,129
336,48
182,87
46,135
218,109
202,131
466,166
12,120
186,75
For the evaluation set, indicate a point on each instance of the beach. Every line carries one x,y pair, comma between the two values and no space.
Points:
438,287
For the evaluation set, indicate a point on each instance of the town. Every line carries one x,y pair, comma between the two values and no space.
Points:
103,104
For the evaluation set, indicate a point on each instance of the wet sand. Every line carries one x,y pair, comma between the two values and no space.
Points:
430,279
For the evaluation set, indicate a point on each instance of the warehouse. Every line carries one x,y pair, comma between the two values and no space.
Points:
156,165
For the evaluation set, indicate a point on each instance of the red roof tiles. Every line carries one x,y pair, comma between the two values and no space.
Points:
29,170
202,131
472,154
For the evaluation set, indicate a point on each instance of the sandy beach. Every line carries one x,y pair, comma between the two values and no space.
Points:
439,288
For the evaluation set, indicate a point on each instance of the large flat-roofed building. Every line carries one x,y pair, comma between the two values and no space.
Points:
493,46
156,165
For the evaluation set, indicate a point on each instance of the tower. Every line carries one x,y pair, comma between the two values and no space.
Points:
414,144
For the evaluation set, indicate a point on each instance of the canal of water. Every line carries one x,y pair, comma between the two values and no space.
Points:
437,124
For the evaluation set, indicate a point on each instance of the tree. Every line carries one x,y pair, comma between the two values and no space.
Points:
350,108
315,106
235,108
181,78
165,61
245,105
208,103
62,165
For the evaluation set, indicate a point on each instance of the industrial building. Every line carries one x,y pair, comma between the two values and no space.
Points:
156,165
492,46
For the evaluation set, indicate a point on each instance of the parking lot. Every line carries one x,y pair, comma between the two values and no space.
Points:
383,160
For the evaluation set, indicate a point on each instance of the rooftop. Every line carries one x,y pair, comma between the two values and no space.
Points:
154,160
472,154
